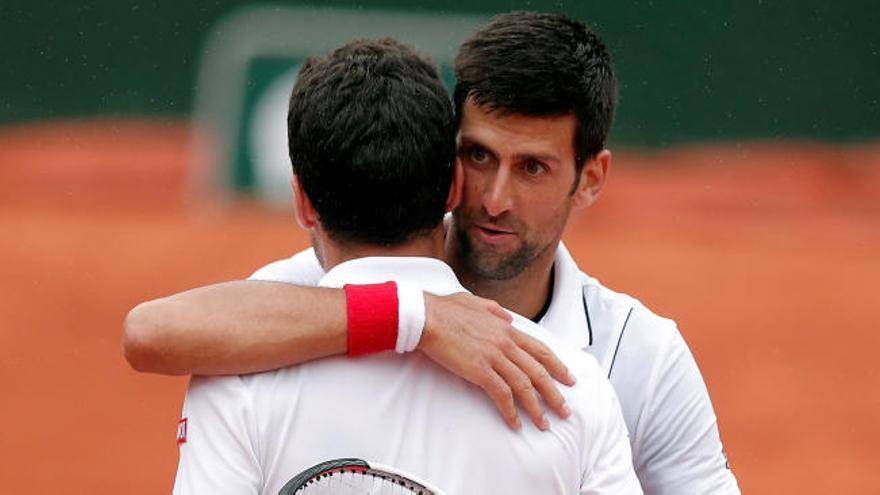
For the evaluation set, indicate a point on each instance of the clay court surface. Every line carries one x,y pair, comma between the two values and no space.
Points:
765,253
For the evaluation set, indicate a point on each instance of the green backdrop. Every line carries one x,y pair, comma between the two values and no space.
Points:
689,70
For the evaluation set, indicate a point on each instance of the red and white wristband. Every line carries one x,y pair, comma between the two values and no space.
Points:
384,316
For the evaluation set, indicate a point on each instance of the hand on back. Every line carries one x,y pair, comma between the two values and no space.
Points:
473,338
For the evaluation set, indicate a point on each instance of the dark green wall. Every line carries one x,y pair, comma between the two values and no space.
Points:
689,70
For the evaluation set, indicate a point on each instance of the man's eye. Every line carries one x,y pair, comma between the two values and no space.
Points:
534,168
479,155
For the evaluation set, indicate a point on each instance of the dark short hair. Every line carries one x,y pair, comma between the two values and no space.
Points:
533,63
371,136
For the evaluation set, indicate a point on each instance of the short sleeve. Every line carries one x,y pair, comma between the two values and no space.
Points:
218,453
679,446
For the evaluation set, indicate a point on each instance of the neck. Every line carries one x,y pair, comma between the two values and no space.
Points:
525,293
335,252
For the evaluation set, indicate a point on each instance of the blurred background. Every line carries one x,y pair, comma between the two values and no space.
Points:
142,152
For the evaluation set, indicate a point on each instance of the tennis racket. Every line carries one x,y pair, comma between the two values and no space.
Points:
355,476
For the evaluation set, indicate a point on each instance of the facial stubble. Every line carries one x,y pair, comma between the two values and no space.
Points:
495,266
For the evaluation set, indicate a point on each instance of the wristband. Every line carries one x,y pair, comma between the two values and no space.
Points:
411,316
372,317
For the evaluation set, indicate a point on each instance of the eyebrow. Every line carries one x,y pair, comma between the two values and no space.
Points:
537,156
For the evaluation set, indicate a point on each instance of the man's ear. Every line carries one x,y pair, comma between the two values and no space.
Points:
454,196
306,215
592,179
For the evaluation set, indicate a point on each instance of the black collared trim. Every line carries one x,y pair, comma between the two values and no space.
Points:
618,341
587,314
543,312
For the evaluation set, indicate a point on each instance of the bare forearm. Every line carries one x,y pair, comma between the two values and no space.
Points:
235,327
251,326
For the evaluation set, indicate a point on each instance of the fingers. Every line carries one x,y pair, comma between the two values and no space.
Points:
502,395
523,391
541,382
498,311
463,334
543,355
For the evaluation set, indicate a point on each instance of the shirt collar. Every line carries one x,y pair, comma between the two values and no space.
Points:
430,274
566,316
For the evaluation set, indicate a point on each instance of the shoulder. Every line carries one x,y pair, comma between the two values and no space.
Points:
590,378
569,355
596,428
588,315
663,395
303,268
216,397
640,351
621,323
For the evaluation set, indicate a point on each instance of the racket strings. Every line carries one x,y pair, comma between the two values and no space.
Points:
344,481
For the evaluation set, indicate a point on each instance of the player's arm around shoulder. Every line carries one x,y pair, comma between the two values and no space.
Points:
606,455
234,327
239,327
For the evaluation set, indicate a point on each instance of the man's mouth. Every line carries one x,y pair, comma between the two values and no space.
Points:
493,234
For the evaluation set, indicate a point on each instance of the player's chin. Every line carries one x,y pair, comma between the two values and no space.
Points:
491,265
491,253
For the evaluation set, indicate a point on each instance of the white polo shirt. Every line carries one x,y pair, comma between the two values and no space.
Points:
673,430
252,434
674,433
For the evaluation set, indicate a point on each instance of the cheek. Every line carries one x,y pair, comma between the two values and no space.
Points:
473,188
470,198
547,215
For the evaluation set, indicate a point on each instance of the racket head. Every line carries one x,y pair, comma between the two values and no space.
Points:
352,475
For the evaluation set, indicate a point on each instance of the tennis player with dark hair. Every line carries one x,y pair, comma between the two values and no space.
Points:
372,142
535,100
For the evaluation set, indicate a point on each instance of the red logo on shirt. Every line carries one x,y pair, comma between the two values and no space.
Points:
181,431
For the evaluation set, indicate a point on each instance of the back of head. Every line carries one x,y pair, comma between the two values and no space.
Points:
372,141
533,63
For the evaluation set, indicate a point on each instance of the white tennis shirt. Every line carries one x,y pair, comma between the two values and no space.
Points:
673,429
251,434
672,426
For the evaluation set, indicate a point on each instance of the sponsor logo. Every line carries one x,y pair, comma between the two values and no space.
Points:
181,431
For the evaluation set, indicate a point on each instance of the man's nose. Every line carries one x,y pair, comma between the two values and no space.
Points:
497,198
